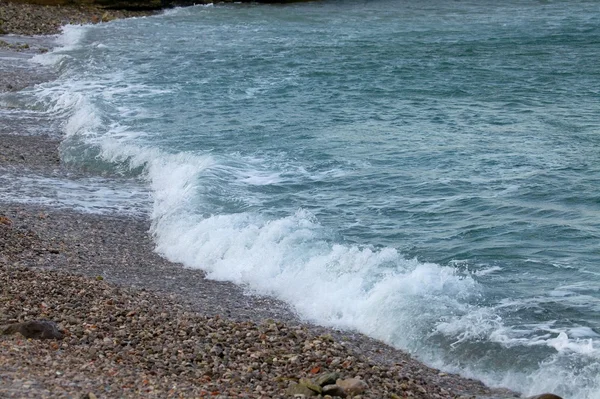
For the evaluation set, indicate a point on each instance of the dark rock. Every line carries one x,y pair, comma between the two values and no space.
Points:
217,350
37,329
135,5
545,396
334,390
327,379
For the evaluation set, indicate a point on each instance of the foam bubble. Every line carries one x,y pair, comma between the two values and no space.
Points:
486,271
261,179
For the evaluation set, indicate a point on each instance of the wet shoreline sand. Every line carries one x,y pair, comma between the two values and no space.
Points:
138,325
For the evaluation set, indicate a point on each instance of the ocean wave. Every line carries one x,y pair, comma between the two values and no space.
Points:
433,310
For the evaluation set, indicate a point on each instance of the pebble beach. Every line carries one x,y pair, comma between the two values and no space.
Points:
136,325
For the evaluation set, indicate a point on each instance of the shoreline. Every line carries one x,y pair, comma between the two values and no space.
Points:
116,253
112,257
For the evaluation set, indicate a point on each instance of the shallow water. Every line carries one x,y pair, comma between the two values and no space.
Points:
84,194
424,173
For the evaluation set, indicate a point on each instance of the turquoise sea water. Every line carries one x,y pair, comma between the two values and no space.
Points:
424,172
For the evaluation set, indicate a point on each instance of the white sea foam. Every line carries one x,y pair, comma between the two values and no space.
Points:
71,36
260,179
561,373
563,340
69,39
575,351
486,271
290,258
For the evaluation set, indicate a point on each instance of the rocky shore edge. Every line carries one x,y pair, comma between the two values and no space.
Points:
88,310
35,19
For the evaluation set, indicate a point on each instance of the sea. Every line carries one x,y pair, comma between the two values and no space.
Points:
424,172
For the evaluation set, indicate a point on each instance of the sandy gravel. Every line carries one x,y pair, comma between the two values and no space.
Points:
34,153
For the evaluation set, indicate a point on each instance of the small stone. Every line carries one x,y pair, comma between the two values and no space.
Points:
421,389
352,386
545,396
